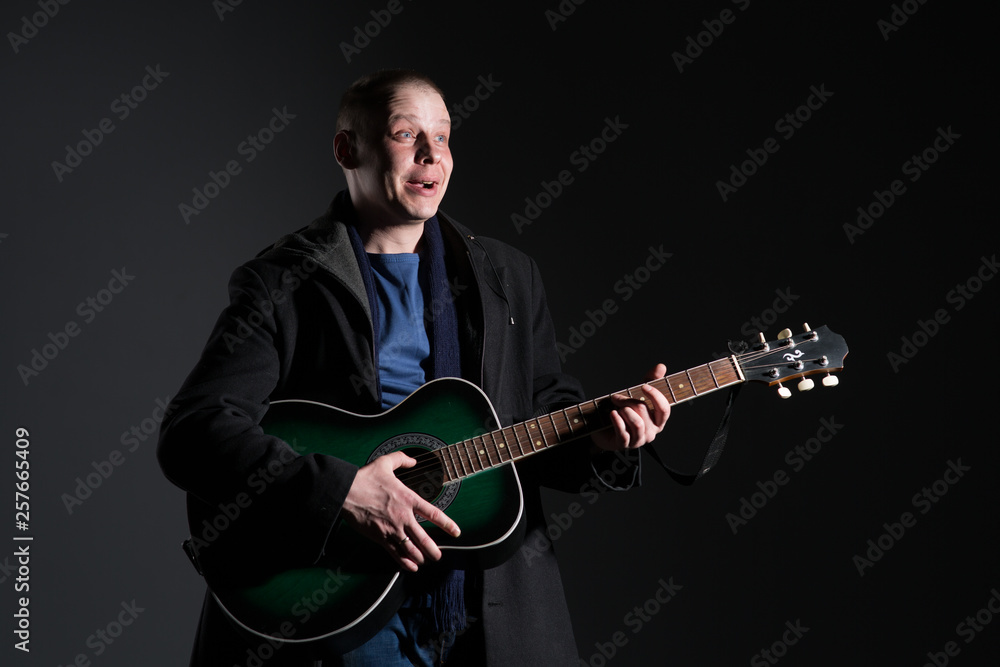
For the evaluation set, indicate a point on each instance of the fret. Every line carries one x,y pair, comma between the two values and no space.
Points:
444,454
517,439
458,451
702,380
725,371
506,445
471,453
555,428
569,422
688,373
541,432
498,447
714,379
486,450
531,438
479,453
673,398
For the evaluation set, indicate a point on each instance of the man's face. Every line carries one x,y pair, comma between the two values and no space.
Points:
402,172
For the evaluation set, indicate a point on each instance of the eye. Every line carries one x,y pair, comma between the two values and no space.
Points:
405,134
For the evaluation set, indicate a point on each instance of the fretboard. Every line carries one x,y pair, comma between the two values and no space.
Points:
518,441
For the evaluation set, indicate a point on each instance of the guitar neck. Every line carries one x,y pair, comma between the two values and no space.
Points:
526,438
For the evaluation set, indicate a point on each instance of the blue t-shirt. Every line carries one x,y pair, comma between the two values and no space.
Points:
404,349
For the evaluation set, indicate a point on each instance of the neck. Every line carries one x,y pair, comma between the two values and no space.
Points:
391,239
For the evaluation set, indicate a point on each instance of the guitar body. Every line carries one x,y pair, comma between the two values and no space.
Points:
355,588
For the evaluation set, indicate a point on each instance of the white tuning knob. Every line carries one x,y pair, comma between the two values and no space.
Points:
784,392
831,381
806,384
784,333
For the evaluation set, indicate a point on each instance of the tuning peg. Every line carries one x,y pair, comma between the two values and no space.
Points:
785,333
806,384
831,381
784,392
805,327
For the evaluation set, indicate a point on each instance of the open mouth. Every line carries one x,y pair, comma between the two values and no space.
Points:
427,185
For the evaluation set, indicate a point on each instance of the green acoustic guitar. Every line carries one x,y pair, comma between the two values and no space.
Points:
464,468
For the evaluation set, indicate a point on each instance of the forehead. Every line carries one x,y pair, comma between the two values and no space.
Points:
419,102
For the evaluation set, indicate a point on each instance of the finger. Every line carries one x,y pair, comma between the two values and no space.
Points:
398,460
424,543
636,418
403,553
658,371
621,430
660,405
436,516
414,550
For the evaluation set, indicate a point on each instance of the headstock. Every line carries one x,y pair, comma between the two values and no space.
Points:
792,357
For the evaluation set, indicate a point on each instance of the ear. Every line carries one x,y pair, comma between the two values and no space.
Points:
345,150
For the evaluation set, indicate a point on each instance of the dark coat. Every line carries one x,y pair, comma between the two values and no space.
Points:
298,326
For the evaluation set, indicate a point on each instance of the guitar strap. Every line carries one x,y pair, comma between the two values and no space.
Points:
718,442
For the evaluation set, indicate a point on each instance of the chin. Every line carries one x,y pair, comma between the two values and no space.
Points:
421,212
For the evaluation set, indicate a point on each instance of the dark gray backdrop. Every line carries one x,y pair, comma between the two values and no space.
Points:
535,84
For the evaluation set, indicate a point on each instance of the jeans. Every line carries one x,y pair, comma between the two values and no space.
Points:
407,639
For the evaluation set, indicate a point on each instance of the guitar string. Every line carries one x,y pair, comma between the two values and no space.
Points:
491,451
494,450
436,459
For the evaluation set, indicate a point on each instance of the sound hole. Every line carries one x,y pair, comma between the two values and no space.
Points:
427,477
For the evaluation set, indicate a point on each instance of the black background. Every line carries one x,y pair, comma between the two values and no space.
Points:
780,236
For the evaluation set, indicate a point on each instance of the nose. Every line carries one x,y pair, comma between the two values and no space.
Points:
428,151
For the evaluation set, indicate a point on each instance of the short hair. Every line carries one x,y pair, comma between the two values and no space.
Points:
371,94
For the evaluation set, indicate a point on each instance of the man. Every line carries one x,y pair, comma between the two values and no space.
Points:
378,296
